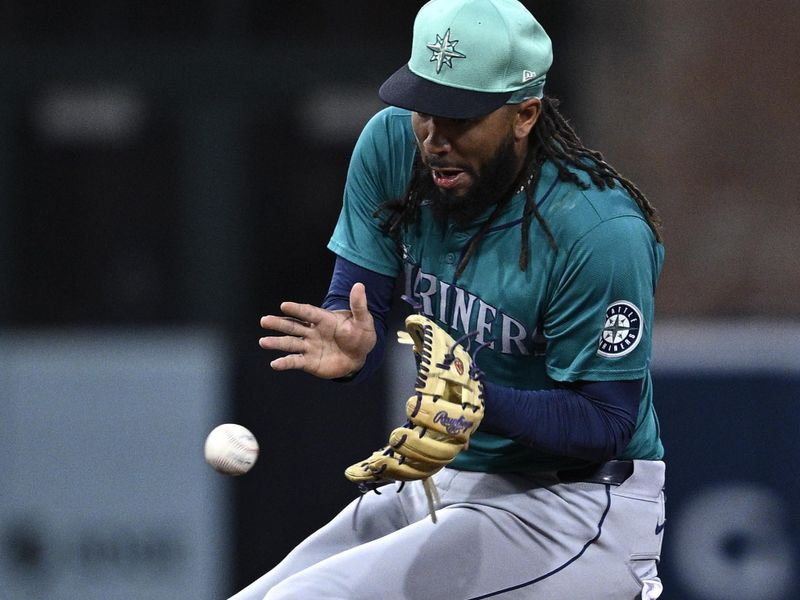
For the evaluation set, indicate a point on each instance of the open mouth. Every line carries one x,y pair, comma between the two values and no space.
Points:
447,178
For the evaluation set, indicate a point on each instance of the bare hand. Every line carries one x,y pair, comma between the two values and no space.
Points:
324,343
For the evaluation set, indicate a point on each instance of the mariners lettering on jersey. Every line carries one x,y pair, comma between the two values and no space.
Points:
466,312
622,331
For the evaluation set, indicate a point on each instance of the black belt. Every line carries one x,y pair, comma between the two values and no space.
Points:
613,472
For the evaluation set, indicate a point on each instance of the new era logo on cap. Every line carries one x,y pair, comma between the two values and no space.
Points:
528,76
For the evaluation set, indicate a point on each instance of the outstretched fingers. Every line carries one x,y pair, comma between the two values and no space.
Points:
289,362
306,313
284,343
325,343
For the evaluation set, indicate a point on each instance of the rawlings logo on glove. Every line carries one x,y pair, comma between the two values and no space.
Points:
445,410
453,426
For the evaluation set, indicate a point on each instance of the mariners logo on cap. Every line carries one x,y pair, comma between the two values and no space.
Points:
444,51
622,331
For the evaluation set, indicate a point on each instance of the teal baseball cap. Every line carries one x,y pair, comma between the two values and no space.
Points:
469,58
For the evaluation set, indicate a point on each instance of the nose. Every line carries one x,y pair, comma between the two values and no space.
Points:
434,139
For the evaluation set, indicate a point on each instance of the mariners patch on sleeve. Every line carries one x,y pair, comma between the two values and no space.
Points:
622,331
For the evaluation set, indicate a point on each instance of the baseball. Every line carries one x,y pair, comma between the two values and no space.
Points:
231,449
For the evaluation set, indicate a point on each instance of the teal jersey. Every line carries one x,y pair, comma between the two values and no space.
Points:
581,311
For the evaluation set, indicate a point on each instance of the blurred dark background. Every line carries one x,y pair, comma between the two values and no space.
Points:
171,163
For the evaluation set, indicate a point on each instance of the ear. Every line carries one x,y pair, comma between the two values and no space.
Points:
526,116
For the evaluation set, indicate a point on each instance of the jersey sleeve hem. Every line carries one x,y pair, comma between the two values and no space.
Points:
360,260
568,375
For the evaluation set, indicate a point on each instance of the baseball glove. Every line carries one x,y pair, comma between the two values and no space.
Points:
445,410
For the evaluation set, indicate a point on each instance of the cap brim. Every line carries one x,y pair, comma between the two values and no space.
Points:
407,90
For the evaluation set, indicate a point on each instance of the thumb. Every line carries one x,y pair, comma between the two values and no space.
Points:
358,304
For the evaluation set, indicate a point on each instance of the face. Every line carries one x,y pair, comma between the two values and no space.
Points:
471,163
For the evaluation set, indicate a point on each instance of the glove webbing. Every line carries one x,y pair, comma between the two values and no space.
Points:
425,356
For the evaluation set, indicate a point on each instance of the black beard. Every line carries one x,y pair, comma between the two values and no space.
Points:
494,185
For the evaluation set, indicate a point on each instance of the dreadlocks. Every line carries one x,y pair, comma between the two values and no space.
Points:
552,139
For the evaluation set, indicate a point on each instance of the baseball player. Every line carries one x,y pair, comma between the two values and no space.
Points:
530,266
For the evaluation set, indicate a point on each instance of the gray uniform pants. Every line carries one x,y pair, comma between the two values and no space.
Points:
503,536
